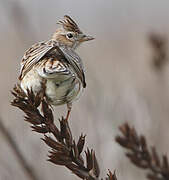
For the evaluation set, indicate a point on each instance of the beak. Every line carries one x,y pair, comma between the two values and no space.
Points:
87,38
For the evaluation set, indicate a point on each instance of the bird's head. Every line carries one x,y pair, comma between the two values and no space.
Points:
69,34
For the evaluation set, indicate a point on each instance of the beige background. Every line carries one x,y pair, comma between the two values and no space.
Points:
122,84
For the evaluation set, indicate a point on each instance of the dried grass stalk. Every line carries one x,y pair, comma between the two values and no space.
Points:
64,151
140,155
160,52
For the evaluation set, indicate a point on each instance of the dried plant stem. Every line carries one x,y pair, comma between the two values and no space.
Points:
140,155
24,164
64,150
160,51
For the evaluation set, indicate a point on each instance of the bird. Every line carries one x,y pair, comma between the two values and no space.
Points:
55,64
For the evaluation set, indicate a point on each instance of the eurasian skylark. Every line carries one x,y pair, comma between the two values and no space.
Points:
55,64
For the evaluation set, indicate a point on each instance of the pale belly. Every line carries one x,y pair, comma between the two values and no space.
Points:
62,92
59,90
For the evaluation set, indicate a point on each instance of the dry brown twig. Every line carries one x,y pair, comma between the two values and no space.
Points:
159,45
141,156
64,150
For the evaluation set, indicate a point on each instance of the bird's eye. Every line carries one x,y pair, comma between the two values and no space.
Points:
69,35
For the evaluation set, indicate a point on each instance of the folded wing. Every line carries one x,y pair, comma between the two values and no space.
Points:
75,62
57,59
34,55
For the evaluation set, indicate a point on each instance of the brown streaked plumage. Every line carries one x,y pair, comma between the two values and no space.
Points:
55,63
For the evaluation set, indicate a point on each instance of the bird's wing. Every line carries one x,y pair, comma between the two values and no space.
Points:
75,62
33,55
56,59
50,67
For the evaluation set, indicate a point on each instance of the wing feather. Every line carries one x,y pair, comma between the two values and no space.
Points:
76,63
44,50
51,67
34,55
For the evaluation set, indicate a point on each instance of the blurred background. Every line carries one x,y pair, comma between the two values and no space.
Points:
124,83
